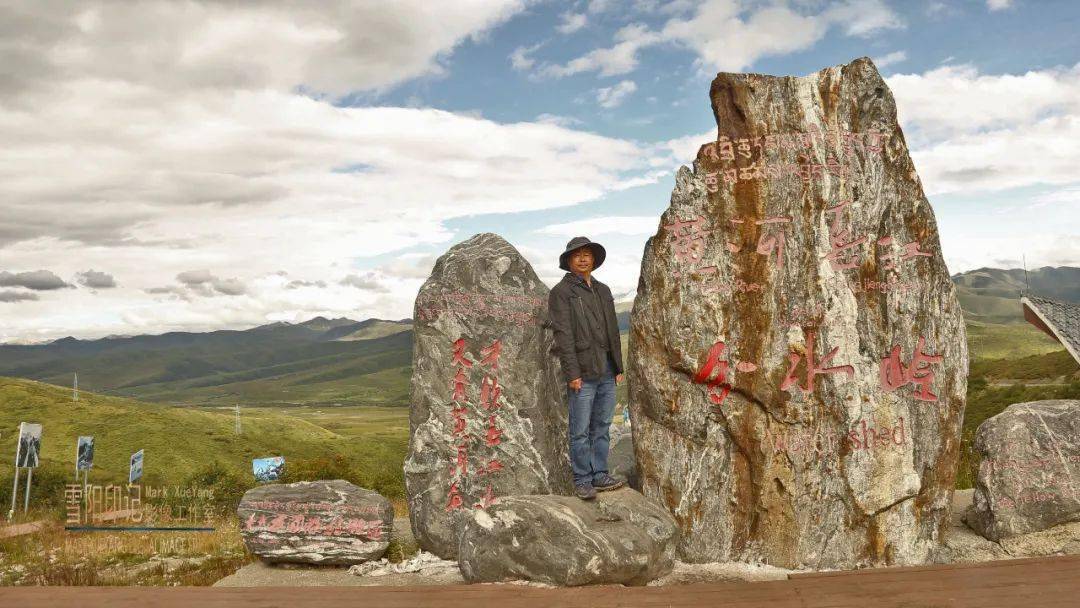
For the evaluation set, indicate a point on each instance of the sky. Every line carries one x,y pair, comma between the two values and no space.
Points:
203,165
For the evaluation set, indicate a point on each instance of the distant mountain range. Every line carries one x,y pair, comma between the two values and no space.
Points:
341,361
319,361
992,295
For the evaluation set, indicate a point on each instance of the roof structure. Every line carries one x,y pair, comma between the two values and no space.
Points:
1059,320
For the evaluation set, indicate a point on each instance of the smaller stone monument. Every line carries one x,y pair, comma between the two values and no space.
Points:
315,522
488,412
1027,478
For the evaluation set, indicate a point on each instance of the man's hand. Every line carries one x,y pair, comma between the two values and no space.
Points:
575,384
618,379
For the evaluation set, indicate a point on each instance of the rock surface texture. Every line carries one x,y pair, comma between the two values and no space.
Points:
621,537
621,462
1028,473
797,356
315,522
488,413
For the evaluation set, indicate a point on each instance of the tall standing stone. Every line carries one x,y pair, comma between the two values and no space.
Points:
797,357
488,414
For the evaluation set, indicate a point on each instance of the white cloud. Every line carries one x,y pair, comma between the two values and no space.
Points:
631,225
1043,152
619,59
339,48
997,5
886,60
520,59
971,131
613,96
957,99
557,119
200,154
728,37
682,150
572,22
965,251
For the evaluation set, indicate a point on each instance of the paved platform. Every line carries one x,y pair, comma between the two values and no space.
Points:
1025,583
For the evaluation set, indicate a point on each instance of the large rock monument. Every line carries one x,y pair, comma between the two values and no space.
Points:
488,414
797,357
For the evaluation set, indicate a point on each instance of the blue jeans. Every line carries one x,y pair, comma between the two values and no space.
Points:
591,409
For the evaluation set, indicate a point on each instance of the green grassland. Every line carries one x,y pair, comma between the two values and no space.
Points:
182,442
1007,341
306,410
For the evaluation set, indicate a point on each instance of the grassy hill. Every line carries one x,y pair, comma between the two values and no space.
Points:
992,295
178,442
316,362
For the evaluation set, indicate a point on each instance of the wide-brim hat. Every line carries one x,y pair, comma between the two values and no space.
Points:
598,252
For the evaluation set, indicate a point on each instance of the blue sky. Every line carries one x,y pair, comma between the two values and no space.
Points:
205,165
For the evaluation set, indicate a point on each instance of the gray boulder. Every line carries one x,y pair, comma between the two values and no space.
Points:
621,461
1027,480
621,537
797,361
488,410
315,522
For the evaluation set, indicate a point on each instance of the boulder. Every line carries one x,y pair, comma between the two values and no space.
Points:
797,361
315,522
621,537
621,461
962,544
1029,469
488,409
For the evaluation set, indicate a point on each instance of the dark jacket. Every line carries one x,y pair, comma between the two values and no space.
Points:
578,315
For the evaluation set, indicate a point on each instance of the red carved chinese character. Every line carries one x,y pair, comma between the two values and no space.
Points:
494,434
459,385
489,393
689,239
720,382
840,256
277,525
767,242
296,524
453,498
487,499
491,354
461,465
812,368
494,466
459,353
911,250
894,374
335,526
459,419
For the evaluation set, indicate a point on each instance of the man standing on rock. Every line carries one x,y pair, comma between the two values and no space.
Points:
582,314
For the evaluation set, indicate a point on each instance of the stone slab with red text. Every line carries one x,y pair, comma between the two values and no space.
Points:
797,356
315,522
1029,469
487,416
